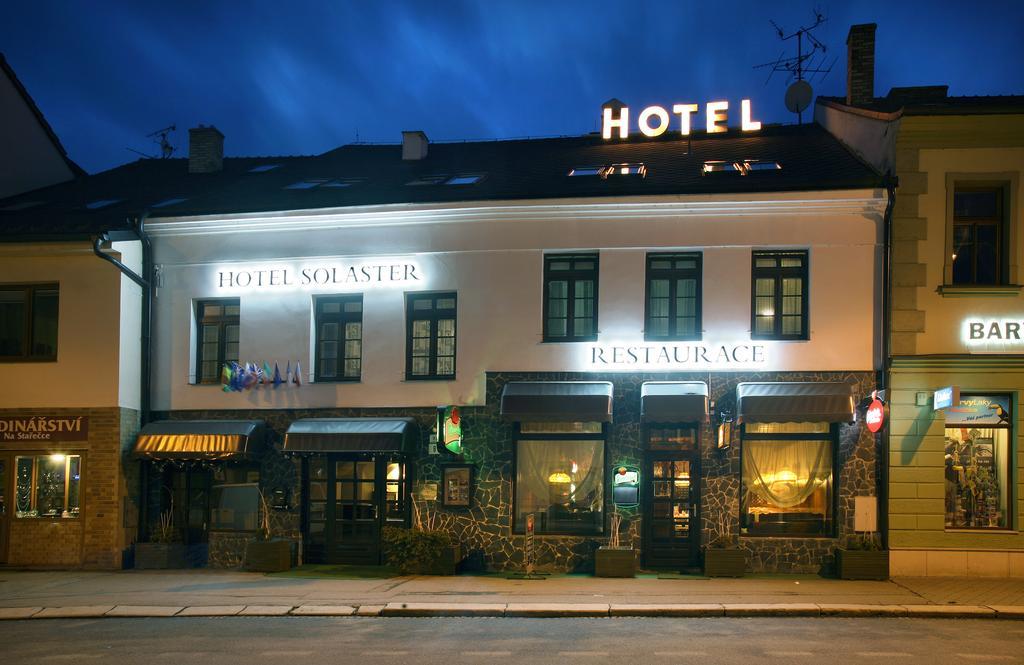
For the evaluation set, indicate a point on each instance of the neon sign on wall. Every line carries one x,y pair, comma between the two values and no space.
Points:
992,333
655,120
333,275
681,356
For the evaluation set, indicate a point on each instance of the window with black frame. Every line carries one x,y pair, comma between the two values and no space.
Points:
570,297
47,485
430,335
339,337
979,254
28,322
787,479
559,478
235,498
779,300
673,297
217,326
979,463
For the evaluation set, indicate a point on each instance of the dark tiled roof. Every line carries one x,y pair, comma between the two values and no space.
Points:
934,100
6,69
811,159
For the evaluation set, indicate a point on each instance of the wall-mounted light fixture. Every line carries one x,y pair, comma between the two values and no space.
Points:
725,421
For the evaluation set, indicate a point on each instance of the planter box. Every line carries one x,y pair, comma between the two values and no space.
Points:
268,556
862,564
158,556
615,562
446,564
725,562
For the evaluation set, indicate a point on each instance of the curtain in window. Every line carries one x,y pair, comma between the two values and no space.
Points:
786,473
562,481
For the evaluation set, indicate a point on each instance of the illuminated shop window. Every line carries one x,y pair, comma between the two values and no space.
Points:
673,297
779,305
430,335
28,322
47,486
979,240
217,325
787,485
339,337
570,297
978,462
561,483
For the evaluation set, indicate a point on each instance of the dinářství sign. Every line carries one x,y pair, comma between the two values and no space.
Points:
44,428
677,356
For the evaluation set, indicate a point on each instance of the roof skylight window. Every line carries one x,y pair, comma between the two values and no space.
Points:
263,168
721,167
168,202
428,180
758,165
101,203
342,182
611,170
466,179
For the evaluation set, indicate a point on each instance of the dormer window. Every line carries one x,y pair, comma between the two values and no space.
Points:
603,172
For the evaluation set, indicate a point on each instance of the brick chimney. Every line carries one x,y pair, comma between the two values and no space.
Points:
860,64
414,145
205,150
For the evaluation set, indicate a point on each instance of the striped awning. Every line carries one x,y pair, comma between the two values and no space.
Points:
795,402
674,402
351,435
200,440
557,401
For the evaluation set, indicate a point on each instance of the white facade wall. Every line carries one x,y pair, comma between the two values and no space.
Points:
492,255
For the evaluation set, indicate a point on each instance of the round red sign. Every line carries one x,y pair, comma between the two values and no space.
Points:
875,416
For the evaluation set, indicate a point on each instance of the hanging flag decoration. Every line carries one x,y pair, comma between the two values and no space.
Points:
225,379
297,378
266,375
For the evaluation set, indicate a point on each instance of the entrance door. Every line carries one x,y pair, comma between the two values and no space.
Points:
671,517
6,506
349,499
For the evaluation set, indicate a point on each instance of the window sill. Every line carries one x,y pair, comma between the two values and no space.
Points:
576,340
985,529
981,291
48,518
414,379
780,536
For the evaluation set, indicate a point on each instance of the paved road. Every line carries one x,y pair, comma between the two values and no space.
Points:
293,640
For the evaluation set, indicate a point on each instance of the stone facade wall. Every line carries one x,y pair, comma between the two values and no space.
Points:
97,538
485,528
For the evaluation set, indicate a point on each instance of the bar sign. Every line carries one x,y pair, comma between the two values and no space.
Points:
947,397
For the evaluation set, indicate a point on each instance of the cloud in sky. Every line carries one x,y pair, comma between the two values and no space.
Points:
305,77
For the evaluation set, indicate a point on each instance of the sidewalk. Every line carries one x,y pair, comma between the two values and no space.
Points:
219,593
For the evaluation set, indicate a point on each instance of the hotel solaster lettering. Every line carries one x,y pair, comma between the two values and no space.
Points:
697,356
324,275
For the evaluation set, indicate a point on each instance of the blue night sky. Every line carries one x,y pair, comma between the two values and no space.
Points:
304,77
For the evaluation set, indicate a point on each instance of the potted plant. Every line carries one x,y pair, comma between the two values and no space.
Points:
614,559
266,554
724,558
164,549
863,558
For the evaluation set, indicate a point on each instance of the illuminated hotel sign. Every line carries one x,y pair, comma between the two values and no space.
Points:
334,275
655,120
676,356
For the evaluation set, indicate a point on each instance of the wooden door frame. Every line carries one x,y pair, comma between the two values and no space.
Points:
647,496
5,519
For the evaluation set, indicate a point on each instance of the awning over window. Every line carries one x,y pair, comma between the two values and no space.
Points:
673,401
351,435
557,401
200,439
795,402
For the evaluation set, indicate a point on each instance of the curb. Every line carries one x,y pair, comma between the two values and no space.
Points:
524,610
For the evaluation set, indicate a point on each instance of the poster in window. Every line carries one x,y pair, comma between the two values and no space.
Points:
457,485
979,410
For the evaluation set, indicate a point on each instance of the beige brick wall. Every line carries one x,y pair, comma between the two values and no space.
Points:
97,537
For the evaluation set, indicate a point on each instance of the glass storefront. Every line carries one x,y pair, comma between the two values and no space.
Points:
977,462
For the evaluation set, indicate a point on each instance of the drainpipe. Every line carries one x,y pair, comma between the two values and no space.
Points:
146,282
882,380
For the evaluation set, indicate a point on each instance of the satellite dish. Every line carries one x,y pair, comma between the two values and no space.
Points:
798,96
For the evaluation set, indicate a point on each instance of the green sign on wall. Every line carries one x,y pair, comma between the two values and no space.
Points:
449,428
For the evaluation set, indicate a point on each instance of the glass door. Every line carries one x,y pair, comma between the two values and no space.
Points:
672,523
5,503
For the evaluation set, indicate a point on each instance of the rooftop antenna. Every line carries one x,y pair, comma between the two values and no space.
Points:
798,67
160,137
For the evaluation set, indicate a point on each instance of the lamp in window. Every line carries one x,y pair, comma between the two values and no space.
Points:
559,478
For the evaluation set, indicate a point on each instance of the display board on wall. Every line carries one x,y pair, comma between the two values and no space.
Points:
44,428
979,410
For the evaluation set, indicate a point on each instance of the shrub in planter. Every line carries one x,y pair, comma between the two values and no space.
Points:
723,558
164,549
421,552
862,559
613,560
